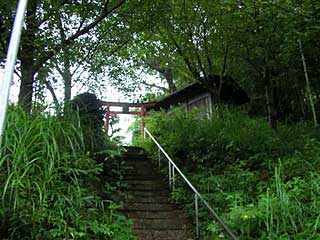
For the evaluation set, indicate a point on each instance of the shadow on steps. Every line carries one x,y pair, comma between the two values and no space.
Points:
154,217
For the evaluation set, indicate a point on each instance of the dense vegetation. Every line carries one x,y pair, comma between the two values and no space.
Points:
260,43
52,188
264,183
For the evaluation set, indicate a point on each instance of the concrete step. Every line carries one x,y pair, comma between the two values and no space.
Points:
162,235
148,193
139,172
142,192
146,214
136,158
147,203
133,177
152,207
138,165
133,148
146,184
147,199
160,223
137,162
139,188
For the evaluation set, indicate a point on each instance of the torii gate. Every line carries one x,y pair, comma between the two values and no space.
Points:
126,110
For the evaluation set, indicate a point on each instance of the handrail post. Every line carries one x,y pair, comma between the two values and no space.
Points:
159,158
173,180
197,213
169,174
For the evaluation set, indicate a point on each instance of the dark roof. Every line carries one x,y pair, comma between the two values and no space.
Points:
231,93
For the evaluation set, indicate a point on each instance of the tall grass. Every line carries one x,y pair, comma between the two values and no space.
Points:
46,176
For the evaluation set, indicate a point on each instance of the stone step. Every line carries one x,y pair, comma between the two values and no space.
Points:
138,165
171,214
152,207
133,149
139,172
162,234
136,159
136,153
137,162
147,199
160,223
146,184
139,188
148,193
133,177
147,203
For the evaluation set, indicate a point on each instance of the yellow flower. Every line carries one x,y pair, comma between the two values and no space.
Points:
245,217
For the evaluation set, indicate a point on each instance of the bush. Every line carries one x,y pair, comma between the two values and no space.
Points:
264,183
48,182
91,113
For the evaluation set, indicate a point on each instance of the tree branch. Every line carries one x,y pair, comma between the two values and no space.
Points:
51,90
156,86
62,3
47,55
191,68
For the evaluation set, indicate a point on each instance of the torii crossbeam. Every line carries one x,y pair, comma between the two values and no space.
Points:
126,110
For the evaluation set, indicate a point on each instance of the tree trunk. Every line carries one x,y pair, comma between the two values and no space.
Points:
27,58
26,87
169,78
270,99
53,94
66,72
165,72
67,75
308,88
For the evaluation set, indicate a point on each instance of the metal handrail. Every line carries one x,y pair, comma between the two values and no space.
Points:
10,62
197,195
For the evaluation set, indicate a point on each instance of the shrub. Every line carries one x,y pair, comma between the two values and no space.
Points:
90,110
48,182
264,183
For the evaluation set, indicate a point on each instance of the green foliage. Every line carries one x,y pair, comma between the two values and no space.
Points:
90,110
52,189
264,183
255,42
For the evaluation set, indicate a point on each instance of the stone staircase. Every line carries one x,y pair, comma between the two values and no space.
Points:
154,217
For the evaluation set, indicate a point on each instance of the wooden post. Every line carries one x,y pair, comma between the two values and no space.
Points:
107,116
126,110
142,114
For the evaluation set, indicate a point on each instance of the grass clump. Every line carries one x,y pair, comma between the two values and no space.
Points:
49,182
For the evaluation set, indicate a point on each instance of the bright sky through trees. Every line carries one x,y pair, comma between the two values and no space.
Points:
111,94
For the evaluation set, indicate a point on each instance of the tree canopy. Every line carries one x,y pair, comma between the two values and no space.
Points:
253,41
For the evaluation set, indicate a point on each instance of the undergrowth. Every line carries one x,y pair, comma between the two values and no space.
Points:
264,183
52,188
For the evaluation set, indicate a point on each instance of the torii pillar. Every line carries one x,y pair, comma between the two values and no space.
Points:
126,110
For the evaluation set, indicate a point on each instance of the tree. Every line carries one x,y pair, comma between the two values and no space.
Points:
186,36
266,36
253,41
40,40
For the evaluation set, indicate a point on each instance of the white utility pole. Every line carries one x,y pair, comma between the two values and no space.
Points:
10,62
